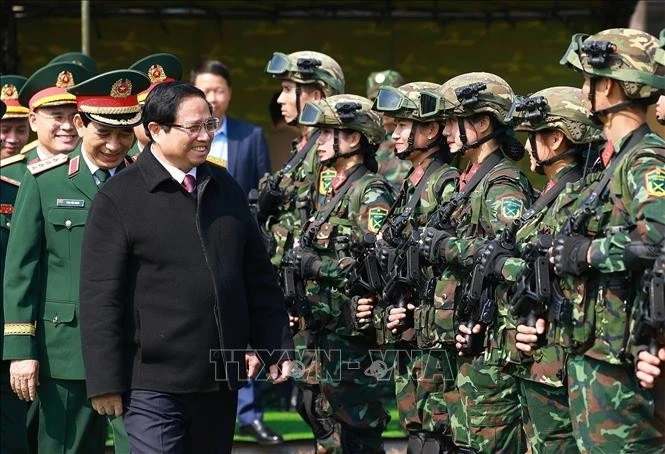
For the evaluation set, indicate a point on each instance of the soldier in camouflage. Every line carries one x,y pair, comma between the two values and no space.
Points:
560,138
352,381
392,168
305,76
474,106
624,72
423,378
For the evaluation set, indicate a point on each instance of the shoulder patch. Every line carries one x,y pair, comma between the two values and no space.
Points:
217,161
8,180
12,159
375,218
40,166
325,181
655,182
74,165
29,146
511,207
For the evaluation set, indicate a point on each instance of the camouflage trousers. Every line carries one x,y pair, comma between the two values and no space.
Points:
546,417
489,417
356,381
610,412
424,386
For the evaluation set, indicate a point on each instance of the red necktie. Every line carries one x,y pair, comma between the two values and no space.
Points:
607,153
189,183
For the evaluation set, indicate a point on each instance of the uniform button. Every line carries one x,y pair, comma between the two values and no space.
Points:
55,319
445,296
68,224
9,224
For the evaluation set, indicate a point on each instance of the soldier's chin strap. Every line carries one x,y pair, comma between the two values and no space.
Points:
595,115
463,138
540,165
294,122
336,154
411,149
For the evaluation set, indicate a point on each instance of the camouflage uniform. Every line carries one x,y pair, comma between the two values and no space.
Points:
355,390
610,411
298,186
423,378
487,418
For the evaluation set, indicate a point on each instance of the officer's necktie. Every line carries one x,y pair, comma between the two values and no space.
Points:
189,183
102,175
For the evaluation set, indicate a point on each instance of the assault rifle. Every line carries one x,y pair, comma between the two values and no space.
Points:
294,293
269,198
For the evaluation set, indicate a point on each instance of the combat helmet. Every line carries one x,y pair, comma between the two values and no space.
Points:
404,102
633,57
308,67
345,112
468,95
555,108
378,79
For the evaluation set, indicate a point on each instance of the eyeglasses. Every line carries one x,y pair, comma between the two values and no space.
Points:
58,117
211,125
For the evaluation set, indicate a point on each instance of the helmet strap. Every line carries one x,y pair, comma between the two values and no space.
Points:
595,115
294,122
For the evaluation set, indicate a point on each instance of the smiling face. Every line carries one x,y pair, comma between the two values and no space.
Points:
55,129
106,147
14,134
177,145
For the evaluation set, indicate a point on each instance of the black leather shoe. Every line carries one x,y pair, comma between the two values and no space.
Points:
261,433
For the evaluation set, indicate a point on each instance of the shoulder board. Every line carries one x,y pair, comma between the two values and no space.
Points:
8,180
12,159
39,167
29,146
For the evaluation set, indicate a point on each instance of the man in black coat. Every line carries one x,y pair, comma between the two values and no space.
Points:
175,283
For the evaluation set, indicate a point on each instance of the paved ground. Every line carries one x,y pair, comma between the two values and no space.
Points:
393,446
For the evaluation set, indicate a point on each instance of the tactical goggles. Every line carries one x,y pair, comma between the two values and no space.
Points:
278,64
572,54
313,115
391,99
430,104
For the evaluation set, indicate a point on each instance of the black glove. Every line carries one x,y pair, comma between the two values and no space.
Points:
637,256
385,253
492,257
430,244
570,254
307,262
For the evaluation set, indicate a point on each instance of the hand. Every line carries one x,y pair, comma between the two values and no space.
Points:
395,315
527,336
569,254
648,367
307,262
252,364
385,253
293,321
24,378
107,404
492,257
430,244
461,338
279,373
364,310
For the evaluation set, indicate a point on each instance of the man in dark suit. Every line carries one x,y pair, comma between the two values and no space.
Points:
237,145
175,284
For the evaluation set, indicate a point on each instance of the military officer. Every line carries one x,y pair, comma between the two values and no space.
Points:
12,411
52,109
15,128
423,377
391,167
159,68
357,203
41,282
624,72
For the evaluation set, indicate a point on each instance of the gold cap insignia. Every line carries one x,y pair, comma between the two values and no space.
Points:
121,88
9,92
156,74
65,80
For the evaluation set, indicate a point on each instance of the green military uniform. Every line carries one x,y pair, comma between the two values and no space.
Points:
13,436
601,377
41,291
298,183
542,379
357,204
488,417
424,378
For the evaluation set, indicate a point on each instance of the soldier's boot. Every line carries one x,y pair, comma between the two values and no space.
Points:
429,443
313,410
361,441
329,445
466,450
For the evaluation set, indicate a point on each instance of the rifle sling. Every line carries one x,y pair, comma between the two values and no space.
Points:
487,165
548,197
420,187
299,157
